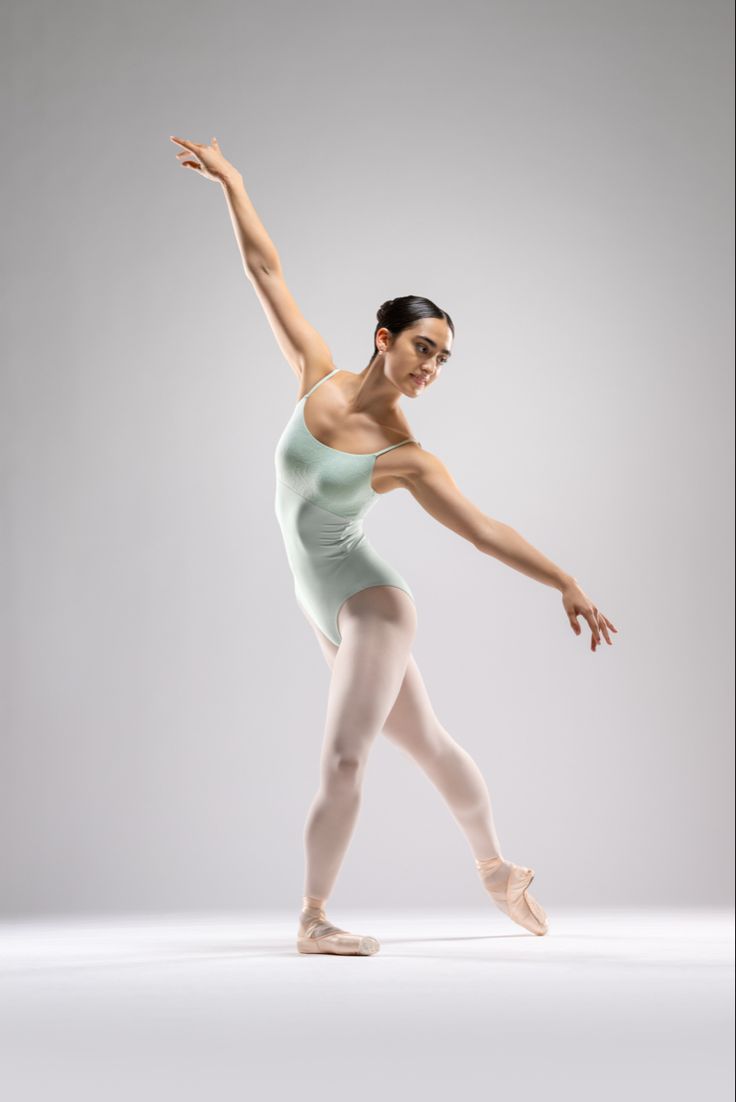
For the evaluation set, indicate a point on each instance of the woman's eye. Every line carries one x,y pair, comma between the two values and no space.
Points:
423,348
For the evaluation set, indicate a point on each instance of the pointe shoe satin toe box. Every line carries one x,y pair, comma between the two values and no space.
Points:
522,905
513,897
318,935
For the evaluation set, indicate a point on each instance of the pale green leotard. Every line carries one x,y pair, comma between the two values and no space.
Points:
322,495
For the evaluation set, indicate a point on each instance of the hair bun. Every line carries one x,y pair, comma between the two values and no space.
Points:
384,308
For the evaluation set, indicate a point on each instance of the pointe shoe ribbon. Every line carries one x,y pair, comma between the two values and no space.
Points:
513,897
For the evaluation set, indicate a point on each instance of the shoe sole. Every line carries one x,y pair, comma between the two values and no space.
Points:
365,947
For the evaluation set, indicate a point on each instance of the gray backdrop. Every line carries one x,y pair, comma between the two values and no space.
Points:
559,177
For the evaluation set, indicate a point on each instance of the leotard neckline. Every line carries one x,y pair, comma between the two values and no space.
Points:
358,455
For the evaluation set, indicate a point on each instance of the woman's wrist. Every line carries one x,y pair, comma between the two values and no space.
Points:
566,581
231,180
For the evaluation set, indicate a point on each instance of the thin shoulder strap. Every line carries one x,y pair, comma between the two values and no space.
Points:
388,449
320,381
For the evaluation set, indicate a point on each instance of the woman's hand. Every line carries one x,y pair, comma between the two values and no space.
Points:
577,603
213,165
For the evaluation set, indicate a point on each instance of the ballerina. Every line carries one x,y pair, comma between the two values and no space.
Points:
346,443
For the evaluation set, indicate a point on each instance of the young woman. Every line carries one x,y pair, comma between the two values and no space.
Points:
346,442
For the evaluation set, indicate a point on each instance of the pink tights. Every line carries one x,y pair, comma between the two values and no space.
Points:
375,687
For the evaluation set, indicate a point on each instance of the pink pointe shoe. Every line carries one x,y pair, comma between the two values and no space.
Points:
317,935
510,893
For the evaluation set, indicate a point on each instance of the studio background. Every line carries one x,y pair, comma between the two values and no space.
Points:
559,178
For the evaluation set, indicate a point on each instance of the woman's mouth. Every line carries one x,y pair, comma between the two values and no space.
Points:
419,380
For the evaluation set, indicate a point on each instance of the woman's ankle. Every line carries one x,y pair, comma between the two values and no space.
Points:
313,903
484,863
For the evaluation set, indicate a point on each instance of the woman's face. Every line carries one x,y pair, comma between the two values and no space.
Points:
415,357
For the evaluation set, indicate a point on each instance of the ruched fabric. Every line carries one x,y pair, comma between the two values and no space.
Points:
322,497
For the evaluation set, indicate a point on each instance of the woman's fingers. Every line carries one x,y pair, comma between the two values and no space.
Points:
212,165
189,164
591,616
577,603
604,624
192,146
602,627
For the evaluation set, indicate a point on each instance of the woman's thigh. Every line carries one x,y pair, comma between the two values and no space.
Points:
411,723
377,626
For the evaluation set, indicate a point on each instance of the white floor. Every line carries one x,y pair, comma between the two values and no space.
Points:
617,1005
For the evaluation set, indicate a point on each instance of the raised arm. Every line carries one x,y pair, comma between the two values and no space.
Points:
302,346
431,484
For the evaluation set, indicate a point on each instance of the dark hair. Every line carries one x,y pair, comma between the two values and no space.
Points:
399,313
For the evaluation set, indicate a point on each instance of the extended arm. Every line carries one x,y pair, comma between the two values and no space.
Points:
297,338
303,347
431,484
256,247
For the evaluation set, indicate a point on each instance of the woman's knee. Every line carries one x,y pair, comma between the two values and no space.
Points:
343,770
